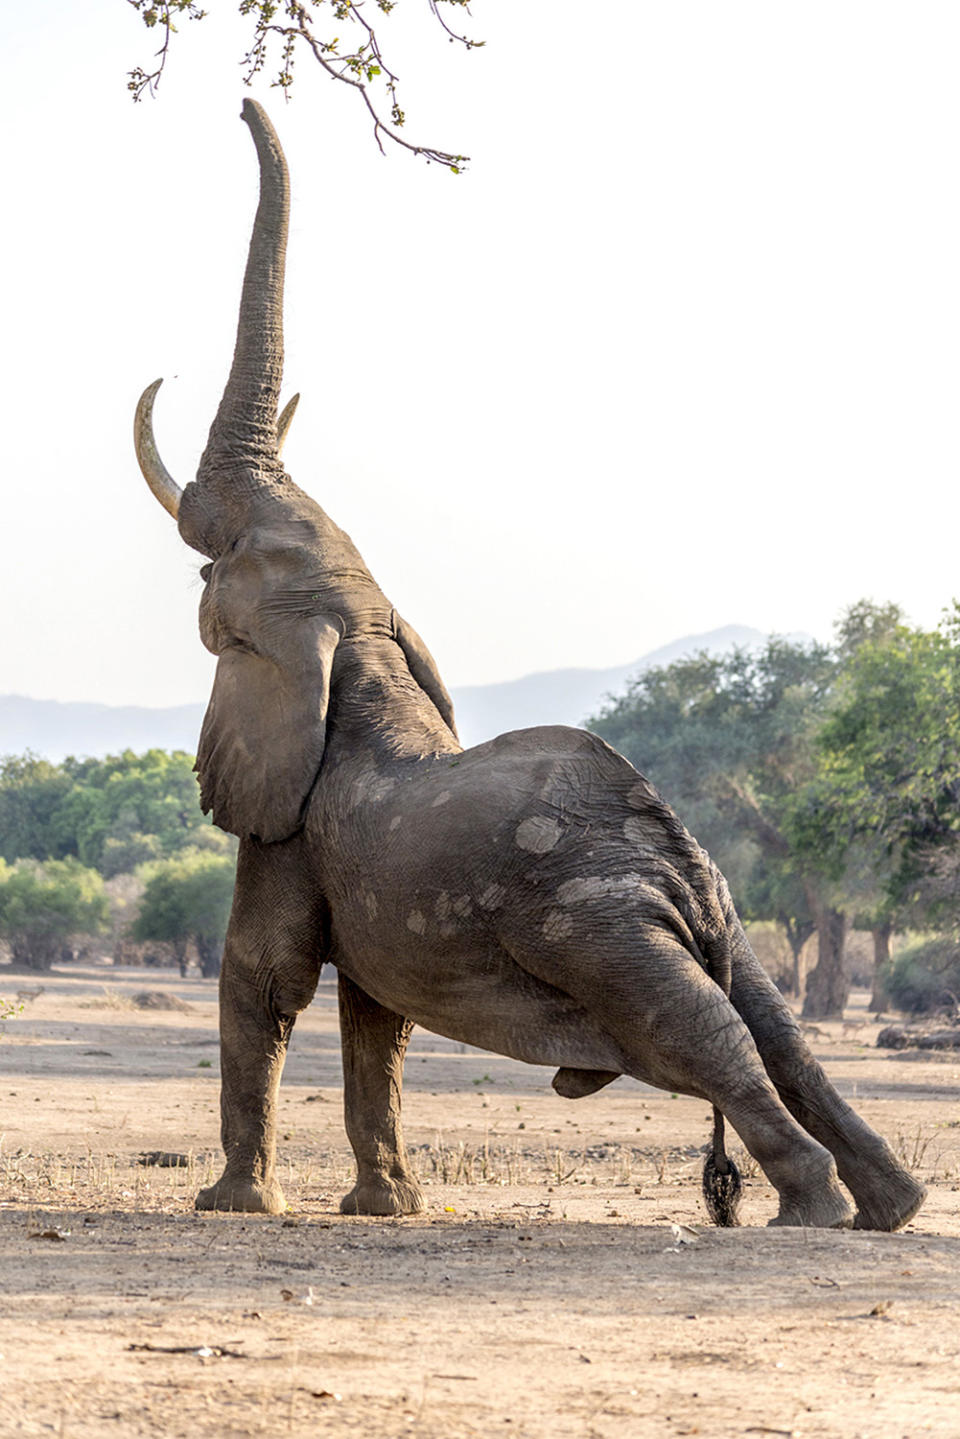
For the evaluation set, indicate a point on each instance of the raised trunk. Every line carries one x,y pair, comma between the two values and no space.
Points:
828,988
880,998
244,433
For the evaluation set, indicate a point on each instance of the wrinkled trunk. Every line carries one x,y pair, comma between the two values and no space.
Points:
828,988
244,431
880,998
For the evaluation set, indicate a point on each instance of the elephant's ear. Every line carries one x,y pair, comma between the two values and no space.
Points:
263,734
423,667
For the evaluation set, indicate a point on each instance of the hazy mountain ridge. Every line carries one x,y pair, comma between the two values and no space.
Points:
55,728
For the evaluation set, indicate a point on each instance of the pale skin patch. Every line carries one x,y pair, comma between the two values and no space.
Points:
557,925
461,906
372,789
396,822
538,834
442,907
416,922
370,899
595,886
441,799
492,897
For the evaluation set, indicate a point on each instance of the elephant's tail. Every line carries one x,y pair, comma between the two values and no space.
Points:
722,1185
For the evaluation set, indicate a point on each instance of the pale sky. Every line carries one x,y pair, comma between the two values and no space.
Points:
680,351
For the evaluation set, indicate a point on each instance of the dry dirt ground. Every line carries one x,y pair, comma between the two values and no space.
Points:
543,1293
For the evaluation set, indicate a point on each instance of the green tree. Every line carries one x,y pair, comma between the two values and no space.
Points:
128,808
186,899
886,802
43,905
840,767
32,792
729,740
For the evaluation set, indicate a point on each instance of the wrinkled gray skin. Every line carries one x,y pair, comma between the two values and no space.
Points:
533,896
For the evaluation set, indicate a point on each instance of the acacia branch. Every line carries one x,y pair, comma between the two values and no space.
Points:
460,39
755,819
359,69
154,14
357,63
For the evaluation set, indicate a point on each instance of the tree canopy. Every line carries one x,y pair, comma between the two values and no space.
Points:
824,780
188,898
111,814
42,906
32,793
66,828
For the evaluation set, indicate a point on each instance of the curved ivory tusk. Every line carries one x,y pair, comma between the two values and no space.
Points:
284,422
155,472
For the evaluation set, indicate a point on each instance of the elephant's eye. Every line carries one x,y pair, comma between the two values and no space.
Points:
205,572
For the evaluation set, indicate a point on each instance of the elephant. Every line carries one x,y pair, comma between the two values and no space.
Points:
533,895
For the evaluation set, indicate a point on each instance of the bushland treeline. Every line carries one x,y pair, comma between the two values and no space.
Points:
115,849
825,782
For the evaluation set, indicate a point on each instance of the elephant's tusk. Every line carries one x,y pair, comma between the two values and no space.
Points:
155,472
284,422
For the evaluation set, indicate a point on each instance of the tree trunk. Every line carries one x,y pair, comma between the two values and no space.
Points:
797,935
828,988
36,955
181,956
880,998
209,958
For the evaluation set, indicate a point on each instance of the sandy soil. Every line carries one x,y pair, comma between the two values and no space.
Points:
544,1292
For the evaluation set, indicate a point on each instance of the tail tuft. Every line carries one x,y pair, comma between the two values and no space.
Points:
722,1193
722,1185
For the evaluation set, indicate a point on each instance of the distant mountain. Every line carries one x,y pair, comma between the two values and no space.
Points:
572,696
55,729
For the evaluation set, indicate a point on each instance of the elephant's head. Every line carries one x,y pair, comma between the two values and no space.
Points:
284,584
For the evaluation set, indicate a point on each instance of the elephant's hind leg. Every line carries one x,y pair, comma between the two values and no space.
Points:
887,1195
687,1036
374,1042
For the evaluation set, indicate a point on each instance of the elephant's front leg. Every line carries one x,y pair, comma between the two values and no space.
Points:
253,1046
271,964
374,1043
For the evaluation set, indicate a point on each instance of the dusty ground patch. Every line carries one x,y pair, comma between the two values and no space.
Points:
542,1294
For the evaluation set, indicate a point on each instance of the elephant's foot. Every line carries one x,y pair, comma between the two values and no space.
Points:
828,1210
246,1196
383,1195
894,1206
812,1198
